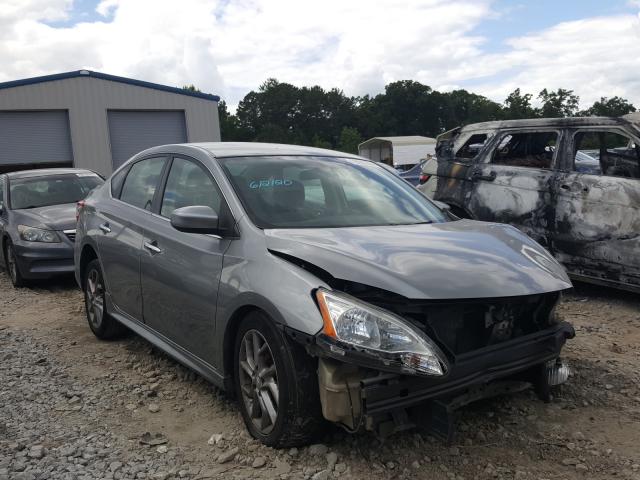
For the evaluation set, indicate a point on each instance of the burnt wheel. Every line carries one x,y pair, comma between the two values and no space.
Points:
276,385
101,323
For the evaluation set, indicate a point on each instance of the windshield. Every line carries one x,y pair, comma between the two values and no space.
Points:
320,192
37,192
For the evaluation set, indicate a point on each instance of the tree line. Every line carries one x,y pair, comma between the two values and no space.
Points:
283,113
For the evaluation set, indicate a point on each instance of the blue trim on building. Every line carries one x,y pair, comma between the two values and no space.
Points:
111,78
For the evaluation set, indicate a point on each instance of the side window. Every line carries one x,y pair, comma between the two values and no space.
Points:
472,146
601,152
1,192
528,149
189,184
141,182
116,182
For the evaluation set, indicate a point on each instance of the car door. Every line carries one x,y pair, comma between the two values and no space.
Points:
3,216
597,225
446,178
513,182
119,232
181,271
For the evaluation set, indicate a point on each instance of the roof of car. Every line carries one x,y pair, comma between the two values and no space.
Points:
249,149
42,172
547,122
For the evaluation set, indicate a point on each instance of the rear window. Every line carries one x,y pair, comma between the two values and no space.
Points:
142,180
38,192
607,153
527,149
116,182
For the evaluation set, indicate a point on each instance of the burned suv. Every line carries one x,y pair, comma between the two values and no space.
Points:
317,286
571,184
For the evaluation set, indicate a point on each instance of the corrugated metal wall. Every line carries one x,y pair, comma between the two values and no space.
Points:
88,99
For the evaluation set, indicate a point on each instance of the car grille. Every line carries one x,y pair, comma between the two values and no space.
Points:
462,326
71,234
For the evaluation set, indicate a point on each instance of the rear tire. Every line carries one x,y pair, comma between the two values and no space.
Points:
13,269
103,325
277,387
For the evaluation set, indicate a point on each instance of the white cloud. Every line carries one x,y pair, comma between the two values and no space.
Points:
228,47
594,57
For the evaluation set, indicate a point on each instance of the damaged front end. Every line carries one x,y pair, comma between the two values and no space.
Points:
387,363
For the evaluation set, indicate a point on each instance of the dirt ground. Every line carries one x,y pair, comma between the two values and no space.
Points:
119,390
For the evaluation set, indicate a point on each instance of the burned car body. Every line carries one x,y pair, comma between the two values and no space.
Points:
317,286
572,184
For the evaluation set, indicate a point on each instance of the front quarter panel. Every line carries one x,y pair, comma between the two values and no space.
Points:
254,278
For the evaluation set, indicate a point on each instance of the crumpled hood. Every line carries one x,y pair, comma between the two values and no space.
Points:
461,259
54,217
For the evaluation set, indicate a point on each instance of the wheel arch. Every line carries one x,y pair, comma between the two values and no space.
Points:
3,247
87,254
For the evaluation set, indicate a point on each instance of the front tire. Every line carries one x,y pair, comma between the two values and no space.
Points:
276,385
103,325
13,269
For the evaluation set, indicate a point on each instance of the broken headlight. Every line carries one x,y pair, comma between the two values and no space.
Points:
375,331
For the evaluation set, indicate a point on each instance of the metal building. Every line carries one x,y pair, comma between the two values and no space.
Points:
97,121
398,151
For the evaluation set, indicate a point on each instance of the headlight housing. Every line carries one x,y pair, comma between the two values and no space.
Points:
379,333
33,234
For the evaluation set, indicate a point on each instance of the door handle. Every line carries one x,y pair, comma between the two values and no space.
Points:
105,228
479,176
152,247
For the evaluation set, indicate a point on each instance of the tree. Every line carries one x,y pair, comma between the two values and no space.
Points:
350,138
230,128
609,107
517,105
191,88
561,103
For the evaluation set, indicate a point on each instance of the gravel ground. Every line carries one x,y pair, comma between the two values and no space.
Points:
72,407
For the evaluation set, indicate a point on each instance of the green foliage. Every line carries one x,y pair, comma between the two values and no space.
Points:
284,113
517,105
609,107
561,103
350,138
191,88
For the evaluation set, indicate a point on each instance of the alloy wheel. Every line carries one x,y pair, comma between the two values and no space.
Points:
259,381
95,298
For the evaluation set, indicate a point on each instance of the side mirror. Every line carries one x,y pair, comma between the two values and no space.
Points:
196,219
445,207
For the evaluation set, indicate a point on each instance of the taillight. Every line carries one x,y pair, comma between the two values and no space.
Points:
424,178
79,206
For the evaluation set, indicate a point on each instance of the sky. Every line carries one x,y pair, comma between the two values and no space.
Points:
229,47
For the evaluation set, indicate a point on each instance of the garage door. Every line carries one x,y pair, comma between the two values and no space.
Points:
133,131
32,138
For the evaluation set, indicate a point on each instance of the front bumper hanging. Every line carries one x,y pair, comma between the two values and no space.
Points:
360,397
